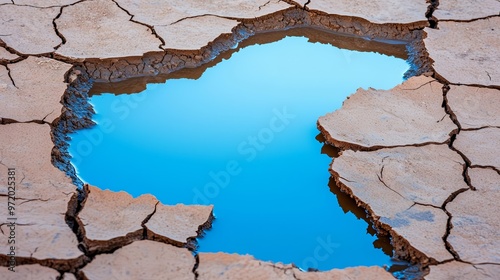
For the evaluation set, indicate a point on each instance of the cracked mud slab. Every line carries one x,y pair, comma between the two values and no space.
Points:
232,266
191,25
475,219
179,223
463,271
466,10
142,260
478,146
162,13
6,55
30,272
28,30
474,107
100,29
416,180
112,219
194,33
409,114
45,3
39,83
378,11
473,61
172,224
42,192
27,147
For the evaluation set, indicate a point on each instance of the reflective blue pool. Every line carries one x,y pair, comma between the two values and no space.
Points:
243,137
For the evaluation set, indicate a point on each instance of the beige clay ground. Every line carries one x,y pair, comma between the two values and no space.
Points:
422,158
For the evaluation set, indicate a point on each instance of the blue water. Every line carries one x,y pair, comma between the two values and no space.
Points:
243,138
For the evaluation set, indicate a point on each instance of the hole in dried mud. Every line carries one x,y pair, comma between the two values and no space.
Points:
242,136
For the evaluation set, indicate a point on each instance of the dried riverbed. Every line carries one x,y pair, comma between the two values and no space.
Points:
426,150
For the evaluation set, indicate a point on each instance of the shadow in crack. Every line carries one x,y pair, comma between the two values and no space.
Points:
399,268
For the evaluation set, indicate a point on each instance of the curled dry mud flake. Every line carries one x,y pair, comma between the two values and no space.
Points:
474,235
142,260
417,181
39,83
409,114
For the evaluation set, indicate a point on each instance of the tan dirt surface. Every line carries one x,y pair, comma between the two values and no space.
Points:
100,29
409,114
416,180
417,194
232,266
111,215
178,223
5,55
377,11
463,271
28,30
42,195
142,260
29,272
473,61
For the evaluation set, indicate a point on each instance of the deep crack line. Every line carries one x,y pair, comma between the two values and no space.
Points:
9,73
449,224
433,21
198,16
56,30
151,27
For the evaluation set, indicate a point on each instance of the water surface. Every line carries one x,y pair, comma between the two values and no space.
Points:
243,137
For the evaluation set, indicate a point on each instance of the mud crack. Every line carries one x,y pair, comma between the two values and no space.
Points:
433,5
453,117
449,224
59,34
151,27
10,76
